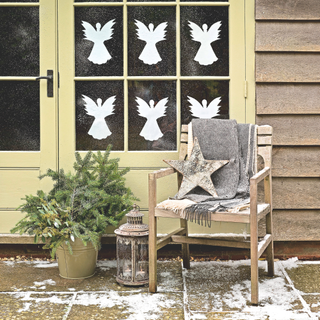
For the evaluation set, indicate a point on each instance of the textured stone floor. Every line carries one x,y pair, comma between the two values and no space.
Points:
209,290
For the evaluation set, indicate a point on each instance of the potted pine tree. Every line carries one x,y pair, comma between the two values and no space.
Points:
72,217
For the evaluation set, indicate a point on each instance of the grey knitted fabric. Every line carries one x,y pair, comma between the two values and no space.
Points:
224,140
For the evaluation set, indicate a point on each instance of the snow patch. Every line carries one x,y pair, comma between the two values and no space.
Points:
138,306
42,285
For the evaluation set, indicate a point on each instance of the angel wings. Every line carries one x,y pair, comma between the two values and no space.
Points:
151,130
99,53
205,55
203,111
150,54
99,129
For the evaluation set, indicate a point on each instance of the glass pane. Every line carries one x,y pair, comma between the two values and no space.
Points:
19,1
99,115
207,0
152,115
152,41
98,1
19,45
124,257
204,41
98,41
20,116
204,99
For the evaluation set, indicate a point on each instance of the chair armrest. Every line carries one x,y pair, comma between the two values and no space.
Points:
260,176
162,173
266,175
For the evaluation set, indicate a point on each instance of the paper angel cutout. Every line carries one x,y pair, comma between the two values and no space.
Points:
150,54
99,53
203,111
205,55
99,129
151,130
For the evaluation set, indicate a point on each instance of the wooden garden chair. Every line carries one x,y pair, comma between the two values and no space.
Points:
251,215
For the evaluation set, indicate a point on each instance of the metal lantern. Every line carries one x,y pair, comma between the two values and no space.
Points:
132,250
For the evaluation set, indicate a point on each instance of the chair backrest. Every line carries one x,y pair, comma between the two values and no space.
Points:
264,143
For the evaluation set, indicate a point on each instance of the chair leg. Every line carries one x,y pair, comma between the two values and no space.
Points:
254,251
153,254
185,246
254,277
270,250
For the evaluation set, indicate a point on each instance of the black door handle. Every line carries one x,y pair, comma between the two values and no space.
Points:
49,78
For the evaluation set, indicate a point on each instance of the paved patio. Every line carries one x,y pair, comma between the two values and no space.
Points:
209,290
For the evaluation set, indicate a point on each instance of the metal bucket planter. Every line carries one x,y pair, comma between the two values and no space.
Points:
79,265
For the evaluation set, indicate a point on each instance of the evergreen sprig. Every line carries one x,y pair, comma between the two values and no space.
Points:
80,205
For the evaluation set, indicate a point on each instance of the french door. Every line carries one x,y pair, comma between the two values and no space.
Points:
126,73
28,121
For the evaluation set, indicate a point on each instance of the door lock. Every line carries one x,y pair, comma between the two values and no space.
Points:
49,78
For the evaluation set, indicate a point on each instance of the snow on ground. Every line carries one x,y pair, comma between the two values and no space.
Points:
228,290
278,300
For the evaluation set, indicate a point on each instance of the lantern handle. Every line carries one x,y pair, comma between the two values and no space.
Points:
134,206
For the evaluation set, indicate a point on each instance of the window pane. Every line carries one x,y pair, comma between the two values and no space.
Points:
19,1
20,116
210,26
98,1
152,41
99,115
204,99
19,45
152,115
207,0
101,55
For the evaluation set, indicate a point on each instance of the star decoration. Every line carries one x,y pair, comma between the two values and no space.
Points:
196,171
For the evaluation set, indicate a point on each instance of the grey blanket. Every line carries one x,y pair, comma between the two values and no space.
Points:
224,140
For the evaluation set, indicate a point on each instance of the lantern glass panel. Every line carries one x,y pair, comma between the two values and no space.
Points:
142,267
124,258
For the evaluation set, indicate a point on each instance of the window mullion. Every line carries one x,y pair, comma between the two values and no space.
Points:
125,74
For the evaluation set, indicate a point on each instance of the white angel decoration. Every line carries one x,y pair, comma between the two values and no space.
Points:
151,130
205,55
203,111
99,129
99,53
150,54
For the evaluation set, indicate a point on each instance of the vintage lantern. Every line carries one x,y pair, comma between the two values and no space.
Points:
132,250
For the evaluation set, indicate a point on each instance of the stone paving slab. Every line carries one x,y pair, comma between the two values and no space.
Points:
125,305
209,290
33,306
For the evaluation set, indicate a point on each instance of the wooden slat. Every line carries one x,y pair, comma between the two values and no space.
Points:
293,130
264,140
167,239
296,225
210,242
296,193
296,162
264,130
287,67
184,137
288,36
288,98
241,217
288,9
184,128
26,239
263,244
163,172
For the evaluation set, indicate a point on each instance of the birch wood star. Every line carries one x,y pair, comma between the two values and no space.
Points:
196,171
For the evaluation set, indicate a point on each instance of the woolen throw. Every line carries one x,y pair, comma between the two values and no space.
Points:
223,140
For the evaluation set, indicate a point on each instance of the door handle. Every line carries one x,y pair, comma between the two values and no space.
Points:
49,78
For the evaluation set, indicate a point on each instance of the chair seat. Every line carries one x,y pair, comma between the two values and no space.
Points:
174,209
